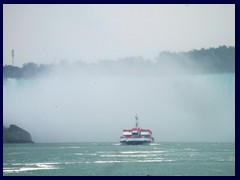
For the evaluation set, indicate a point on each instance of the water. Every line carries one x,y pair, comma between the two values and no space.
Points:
113,159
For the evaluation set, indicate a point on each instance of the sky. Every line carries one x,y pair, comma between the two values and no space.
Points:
46,34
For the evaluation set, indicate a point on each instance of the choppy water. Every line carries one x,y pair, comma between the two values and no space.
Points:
94,159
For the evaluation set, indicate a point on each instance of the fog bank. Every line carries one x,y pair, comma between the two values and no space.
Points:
73,106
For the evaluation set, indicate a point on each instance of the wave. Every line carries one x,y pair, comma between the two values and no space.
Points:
128,155
70,147
154,144
100,162
190,149
38,166
135,161
85,154
117,144
142,152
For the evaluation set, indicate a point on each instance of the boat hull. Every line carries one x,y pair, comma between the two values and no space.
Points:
135,143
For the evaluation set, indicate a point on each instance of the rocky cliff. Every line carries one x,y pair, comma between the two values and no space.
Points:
15,134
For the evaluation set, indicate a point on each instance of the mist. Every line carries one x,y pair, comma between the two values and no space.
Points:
93,103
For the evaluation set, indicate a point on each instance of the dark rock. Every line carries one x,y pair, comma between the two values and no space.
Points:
15,134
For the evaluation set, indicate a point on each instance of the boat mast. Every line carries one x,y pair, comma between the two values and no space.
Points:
136,124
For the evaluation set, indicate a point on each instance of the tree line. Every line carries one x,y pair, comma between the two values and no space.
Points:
211,60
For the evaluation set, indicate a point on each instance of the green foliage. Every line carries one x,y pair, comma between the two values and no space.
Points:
28,70
212,60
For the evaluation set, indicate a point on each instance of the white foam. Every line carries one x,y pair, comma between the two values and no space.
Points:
27,169
154,160
106,152
72,162
39,166
118,144
17,164
100,162
128,155
135,161
154,144
190,149
142,152
80,154
71,147
148,160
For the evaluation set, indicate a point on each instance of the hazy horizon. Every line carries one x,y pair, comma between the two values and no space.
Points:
99,61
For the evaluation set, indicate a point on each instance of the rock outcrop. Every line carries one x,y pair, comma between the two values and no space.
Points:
15,134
